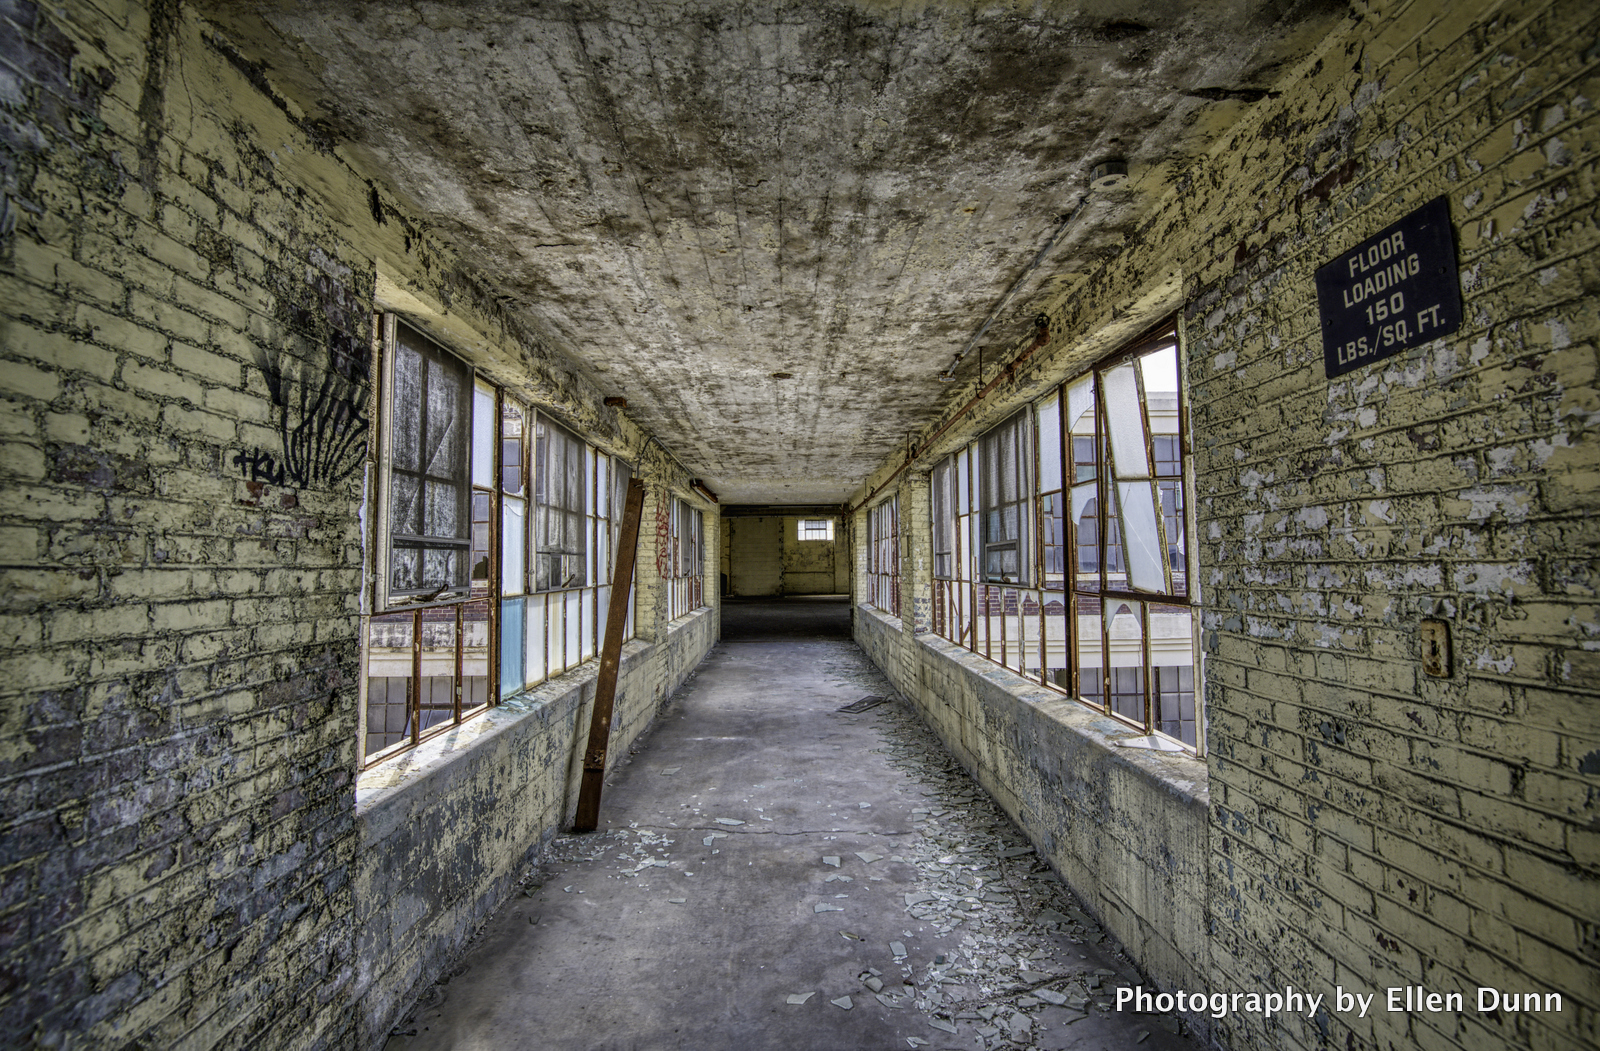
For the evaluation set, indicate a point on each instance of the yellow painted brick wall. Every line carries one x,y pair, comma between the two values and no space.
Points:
186,280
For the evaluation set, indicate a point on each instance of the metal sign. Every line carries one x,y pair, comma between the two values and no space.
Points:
1396,289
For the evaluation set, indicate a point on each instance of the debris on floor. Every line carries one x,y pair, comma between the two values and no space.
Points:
959,926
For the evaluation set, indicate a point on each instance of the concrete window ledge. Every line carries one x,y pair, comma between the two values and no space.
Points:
1179,772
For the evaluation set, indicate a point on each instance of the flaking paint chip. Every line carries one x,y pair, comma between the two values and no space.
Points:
799,998
843,1001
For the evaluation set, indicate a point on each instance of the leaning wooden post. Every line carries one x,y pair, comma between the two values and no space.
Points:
605,686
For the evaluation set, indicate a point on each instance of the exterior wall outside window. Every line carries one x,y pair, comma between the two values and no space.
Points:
475,605
1118,632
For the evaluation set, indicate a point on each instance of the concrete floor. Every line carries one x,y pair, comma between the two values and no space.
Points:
771,872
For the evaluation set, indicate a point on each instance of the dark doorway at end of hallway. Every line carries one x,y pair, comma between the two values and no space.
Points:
792,617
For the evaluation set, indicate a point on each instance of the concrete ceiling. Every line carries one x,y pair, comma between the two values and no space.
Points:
692,198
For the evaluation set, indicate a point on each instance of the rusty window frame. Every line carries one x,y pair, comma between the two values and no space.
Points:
1010,622
424,711
685,559
883,554
454,612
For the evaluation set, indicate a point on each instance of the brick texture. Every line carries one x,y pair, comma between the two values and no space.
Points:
187,304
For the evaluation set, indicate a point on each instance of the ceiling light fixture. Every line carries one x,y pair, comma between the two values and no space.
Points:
1109,174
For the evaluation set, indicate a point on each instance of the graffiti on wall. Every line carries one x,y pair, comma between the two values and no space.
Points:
318,383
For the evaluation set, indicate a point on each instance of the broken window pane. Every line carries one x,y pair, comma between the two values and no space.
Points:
430,521
1141,535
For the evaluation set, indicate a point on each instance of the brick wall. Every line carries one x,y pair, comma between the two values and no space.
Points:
1371,826
186,281
181,558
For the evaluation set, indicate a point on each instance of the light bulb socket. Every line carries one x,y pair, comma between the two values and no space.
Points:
1109,174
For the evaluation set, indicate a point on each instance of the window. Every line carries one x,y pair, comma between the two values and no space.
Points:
816,529
560,539
883,556
686,559
429,530
471,604
1005,479
1114,622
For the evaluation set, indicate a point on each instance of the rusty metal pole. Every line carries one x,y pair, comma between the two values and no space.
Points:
605,687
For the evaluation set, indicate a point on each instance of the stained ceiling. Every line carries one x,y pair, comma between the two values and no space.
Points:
771,226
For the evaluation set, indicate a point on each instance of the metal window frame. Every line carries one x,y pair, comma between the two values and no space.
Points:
376,603
991,606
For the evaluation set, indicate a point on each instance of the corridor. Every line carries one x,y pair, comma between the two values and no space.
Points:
774,872
1184,417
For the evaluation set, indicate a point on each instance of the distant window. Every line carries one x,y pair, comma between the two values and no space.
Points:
883,556
685,560
816,529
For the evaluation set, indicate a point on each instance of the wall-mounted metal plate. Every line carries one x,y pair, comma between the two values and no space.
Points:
1435,638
